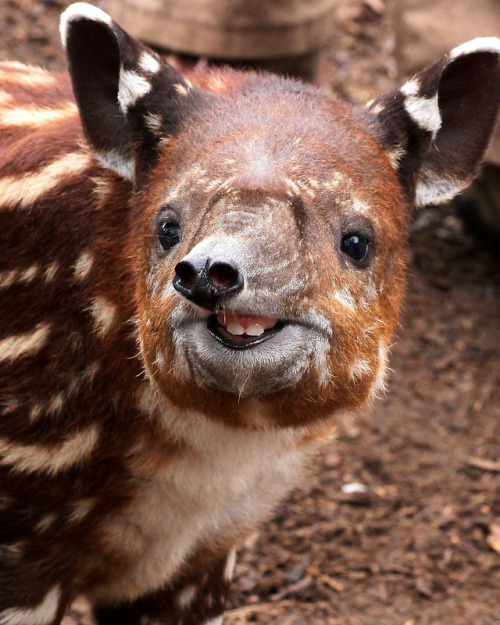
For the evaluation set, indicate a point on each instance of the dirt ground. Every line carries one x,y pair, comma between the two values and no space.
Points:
421,544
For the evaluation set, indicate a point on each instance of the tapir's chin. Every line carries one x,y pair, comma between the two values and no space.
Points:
273,360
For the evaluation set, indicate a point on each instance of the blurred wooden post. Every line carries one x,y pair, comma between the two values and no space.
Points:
232,30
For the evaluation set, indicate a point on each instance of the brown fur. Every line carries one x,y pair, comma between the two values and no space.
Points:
90,415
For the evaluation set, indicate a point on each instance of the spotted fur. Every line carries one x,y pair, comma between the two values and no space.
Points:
135,451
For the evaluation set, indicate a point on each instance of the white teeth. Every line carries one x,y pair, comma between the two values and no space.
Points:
235,328
254,330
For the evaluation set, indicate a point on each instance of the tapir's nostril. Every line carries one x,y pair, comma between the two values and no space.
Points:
223,275
187,273
205,282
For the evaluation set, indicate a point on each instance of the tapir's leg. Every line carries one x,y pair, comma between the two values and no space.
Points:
196,599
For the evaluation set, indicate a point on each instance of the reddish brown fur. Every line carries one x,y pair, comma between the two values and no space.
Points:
92,217
79,263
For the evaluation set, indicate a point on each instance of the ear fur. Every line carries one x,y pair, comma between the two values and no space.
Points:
129,99
436,127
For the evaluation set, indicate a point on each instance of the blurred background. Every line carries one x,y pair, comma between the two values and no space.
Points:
400,522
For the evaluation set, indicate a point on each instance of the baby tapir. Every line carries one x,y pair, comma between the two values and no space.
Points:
198,276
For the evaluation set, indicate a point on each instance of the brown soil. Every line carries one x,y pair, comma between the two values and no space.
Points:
422,545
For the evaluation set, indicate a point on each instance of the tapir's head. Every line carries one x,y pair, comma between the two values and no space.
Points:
269,222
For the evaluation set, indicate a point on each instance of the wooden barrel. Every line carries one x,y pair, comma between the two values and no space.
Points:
228,29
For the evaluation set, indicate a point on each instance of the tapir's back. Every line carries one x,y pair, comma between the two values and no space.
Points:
51,307
40,151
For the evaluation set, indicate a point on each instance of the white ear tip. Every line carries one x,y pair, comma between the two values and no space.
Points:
78,11
480,44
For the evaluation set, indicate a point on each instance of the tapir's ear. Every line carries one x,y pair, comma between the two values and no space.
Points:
129,99
436,127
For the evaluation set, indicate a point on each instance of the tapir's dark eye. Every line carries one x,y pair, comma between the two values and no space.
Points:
355,245
169,234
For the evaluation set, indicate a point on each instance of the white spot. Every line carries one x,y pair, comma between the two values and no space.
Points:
345,298
104,313
354,487
332,184
83,265
293,186
181,89
230,563
410,87
79,11
154,122
7,278
131,87
148,63
54,459
42,614
186,596
9,404
361,207
56,403
423,111
80,509
20,345
51,270
113,160
35,411
45,522
376,108
214,621
395,155
480,44
29,274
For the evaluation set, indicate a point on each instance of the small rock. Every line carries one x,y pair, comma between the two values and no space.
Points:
354,487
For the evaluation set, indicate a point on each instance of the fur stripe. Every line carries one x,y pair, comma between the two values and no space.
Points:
83,265
104,313
36,115
21,345
54,459
5,98
12,72
8,278
25,190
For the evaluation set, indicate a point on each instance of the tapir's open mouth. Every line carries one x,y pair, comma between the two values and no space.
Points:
240,331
